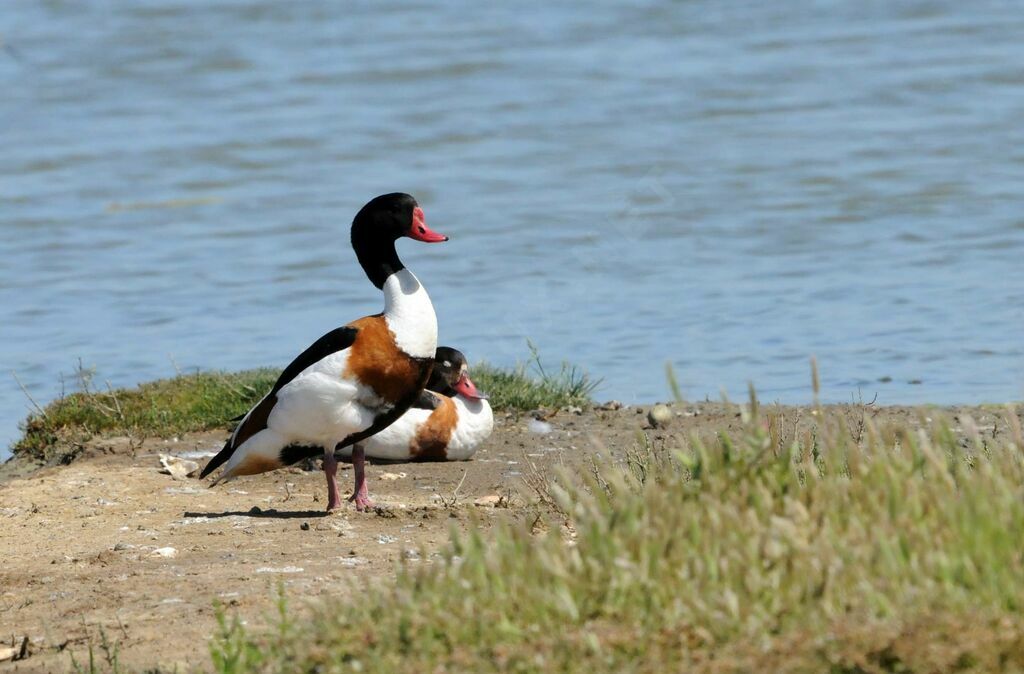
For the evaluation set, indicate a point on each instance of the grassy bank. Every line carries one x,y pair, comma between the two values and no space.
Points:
825,544
162,408
208,400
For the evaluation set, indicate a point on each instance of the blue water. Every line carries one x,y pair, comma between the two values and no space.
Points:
730,186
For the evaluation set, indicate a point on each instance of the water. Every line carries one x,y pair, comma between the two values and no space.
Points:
730,186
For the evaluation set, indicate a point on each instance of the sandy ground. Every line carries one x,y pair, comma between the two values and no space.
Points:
110,543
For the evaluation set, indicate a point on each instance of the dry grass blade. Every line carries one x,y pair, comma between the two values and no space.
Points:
453,500
39,410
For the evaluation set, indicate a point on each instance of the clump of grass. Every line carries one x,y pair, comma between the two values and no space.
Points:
896,553
161,408
531,386
110,662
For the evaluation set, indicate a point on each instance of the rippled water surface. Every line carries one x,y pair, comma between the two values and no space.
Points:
730,186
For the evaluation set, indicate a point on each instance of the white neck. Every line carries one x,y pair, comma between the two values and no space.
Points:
410,315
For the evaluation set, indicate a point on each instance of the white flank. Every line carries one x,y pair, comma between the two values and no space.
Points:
475,424
318,407
410,315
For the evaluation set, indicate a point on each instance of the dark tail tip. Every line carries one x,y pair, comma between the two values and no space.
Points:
222,456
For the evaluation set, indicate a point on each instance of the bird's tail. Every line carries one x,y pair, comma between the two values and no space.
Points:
258,454
222,456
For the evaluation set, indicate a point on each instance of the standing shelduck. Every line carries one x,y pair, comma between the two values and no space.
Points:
354,381
447,423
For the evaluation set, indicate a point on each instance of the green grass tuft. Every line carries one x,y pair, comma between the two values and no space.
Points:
521,389
188,402
880,549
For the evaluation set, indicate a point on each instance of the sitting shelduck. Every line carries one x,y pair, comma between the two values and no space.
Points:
447,423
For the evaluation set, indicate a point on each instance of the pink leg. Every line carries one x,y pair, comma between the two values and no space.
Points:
331,471
361,495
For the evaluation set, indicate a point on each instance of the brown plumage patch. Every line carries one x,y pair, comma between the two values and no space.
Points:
432,438
256,464
376,361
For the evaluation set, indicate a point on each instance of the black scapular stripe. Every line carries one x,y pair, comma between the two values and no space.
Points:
428,400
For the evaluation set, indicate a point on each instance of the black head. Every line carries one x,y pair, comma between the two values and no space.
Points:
451,374
381,222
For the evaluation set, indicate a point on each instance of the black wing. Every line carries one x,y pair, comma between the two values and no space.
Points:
256,419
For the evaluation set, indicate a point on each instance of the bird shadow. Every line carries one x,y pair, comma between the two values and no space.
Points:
260,513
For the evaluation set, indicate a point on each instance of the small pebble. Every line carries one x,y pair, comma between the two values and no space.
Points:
304,526
659,415
538,427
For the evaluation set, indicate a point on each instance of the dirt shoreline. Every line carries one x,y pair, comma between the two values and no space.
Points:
109,543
